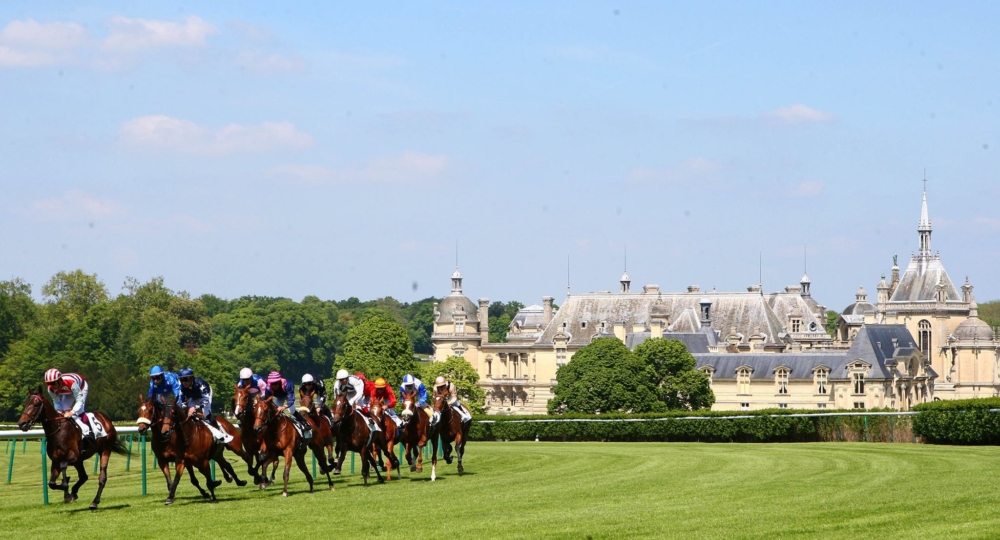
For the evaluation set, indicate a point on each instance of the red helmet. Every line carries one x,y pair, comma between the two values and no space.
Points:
360,375
52,375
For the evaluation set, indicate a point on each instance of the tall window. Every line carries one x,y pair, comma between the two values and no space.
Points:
743,380
796,325
822,378
924,333
781,377
859,383
560,357
459,327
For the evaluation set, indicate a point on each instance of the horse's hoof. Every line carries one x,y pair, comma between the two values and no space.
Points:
420,469
214,484
263,486
168,502
241,483
93,506
284,494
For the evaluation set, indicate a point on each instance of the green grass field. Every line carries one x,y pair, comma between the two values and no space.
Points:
563,490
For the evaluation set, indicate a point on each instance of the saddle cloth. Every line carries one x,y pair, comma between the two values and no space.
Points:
219,435
92,421
303,431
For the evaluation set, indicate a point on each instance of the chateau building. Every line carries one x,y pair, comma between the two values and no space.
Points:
921,340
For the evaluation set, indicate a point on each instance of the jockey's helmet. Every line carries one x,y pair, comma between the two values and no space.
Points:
380,383
342,374
408,380
438,382
246,373
186,373
156,371
307,378
52,375
273,377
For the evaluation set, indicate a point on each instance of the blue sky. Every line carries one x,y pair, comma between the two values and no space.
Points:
344,150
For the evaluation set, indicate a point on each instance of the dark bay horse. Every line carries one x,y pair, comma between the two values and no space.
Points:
322,428
64,445
416,425
353,434
251,439
451,429
280,439
193,446
388,433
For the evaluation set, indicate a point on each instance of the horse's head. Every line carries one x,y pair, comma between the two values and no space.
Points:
307,401
263,412
147,414
440,401
377,406
341,408
34,406
409,403
172,416
241,399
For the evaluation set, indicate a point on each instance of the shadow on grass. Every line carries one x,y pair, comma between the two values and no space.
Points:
86,509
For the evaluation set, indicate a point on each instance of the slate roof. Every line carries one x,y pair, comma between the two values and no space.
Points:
919,282
695,343
453,302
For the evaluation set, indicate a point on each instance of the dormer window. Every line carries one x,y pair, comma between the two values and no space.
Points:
822,379
459,327
583,324
743,380
781,379
859,382
796,326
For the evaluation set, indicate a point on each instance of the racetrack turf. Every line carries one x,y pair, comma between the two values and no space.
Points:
561,490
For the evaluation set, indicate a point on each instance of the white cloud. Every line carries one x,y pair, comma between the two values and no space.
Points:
258,61
75,205
10,57
797,114
691,170
160,133
132,35
408,168
50,36
810,189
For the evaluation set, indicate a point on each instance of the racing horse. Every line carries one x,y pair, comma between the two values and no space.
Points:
416,426
281,436
251,439
322,428
449,428
389,433
65,445
353,434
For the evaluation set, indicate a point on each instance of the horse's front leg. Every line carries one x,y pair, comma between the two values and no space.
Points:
55,470
300,460
81,470
434,458
289,451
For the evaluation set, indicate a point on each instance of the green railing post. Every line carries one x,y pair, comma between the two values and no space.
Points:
440,447
24,447
865,417
45,479
892,427
401,446
142,445
840,433
352,462
314,464
97,460
213,470
10,463
128,458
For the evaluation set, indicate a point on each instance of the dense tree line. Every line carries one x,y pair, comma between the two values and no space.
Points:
114,340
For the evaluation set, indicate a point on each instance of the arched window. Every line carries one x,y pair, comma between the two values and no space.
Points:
781,378
743,380
924,334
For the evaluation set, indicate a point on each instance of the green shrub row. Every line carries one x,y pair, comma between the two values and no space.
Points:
966,421
758,426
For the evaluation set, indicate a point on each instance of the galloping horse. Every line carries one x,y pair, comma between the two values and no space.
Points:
252,440
353,434
416,425
193,445
322,428
280,436
451,429
389,433
64,440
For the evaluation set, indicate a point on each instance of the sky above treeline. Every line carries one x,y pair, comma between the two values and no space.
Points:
345,150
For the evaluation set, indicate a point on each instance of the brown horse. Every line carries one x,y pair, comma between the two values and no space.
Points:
280,436
150,418
353,434
322,428
193,446
251,439
65,445
416,425
449,428
378,411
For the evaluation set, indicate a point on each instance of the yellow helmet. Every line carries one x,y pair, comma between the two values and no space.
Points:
380,383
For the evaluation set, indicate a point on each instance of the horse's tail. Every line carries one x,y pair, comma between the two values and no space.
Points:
119,448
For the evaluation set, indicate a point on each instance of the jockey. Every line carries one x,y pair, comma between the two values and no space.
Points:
69,395
255,383
382,390
353,387
367,388
315,388
163,383
196,395
284,398
442,385
411,383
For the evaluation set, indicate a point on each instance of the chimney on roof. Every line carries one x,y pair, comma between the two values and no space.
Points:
651,289
547,309
620,330
656,328
694,288
484,320
753,288
706,312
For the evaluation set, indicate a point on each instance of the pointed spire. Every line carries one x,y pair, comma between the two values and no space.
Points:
925,220
924,228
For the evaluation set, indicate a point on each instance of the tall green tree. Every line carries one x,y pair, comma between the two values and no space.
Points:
679,384
459,371
379,347
18,312
990,313
831,322
603,377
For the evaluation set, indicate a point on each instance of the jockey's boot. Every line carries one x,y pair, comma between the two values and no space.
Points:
210,418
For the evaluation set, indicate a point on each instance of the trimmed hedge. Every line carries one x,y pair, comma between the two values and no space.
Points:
965,421
758,426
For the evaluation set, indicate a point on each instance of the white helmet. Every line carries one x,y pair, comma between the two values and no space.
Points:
246,373
439,381
307,378
342,374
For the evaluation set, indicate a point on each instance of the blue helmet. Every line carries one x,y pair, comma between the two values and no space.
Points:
186,372
155,370
408,380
